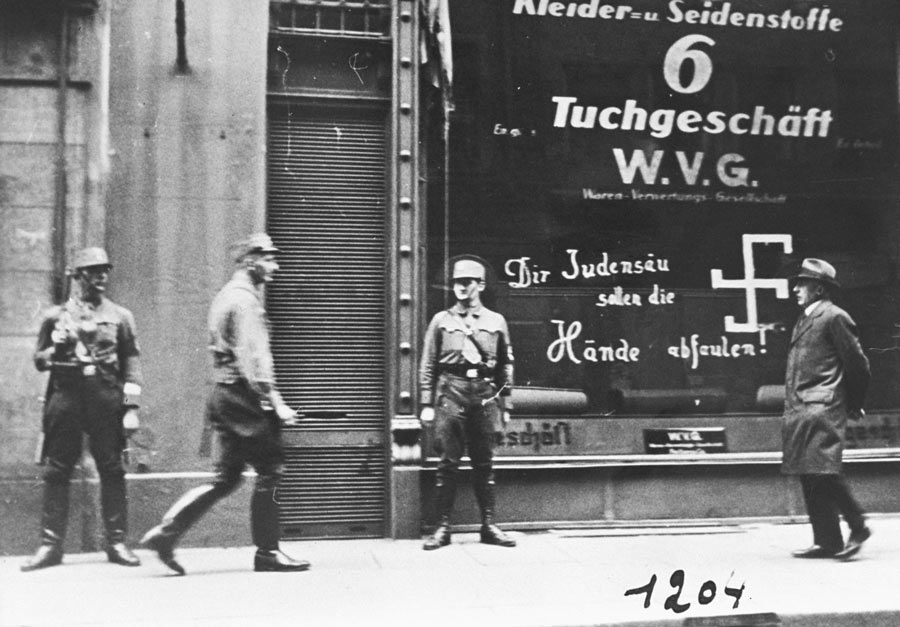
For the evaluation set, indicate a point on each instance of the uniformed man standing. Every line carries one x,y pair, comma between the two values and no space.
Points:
465,380
90,348
246,410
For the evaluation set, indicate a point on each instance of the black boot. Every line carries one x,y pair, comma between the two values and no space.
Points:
276,561
485,494
113,504
492,534
184,512
441,536
266,531
444,495
118,553
157,539
265,528
54,520
50,553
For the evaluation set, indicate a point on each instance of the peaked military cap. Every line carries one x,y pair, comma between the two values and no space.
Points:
92,256
255,243
468,267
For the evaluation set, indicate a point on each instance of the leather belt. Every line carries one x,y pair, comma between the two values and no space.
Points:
469,372
69,368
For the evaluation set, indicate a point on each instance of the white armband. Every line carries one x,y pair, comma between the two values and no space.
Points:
132,394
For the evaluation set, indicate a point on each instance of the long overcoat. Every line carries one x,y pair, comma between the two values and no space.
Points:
826,380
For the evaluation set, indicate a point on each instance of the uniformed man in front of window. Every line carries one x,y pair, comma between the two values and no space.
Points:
90,347
465,380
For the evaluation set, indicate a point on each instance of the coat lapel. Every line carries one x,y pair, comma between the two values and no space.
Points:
805,322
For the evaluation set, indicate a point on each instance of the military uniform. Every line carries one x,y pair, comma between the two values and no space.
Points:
92,354
241,407
466,375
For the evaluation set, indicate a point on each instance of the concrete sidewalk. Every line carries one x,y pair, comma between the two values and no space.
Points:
555,578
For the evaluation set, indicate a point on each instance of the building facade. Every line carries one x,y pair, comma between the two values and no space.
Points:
642,179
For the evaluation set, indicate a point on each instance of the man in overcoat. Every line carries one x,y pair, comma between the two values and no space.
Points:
826,381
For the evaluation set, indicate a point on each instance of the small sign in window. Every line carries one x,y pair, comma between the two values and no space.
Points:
681,440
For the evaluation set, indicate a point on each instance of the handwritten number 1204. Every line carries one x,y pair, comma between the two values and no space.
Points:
705,596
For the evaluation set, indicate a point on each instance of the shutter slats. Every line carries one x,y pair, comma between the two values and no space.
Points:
326,212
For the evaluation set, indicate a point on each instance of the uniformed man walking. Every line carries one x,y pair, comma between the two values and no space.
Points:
465,380
246,410
90,347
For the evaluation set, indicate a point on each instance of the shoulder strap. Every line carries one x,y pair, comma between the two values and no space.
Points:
470,334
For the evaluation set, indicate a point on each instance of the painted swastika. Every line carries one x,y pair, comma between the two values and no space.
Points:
750,284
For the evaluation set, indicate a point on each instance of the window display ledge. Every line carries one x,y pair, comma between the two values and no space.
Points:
720,459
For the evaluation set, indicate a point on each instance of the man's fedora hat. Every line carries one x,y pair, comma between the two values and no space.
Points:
817,270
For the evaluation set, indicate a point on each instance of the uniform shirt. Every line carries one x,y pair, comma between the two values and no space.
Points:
239,337
102,335
444,343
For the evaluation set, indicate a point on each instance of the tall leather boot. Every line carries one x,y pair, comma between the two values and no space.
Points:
266,532
54,520
445,494
485,494
184,512
114,508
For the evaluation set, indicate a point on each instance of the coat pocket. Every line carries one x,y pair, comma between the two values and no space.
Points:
816,395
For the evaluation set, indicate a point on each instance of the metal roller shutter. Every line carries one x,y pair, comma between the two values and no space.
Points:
326,212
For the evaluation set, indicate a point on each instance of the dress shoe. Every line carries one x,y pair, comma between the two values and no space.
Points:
47,555
492,534
440,538
118,553
814,552
276,561
854,544
157,540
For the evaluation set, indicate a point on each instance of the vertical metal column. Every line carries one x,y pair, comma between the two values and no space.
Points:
405,199
60,214
406,263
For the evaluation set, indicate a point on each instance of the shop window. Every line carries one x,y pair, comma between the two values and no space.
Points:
646,262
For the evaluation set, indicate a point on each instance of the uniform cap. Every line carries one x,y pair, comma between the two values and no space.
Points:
468,268
256,243
93,256
818,270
